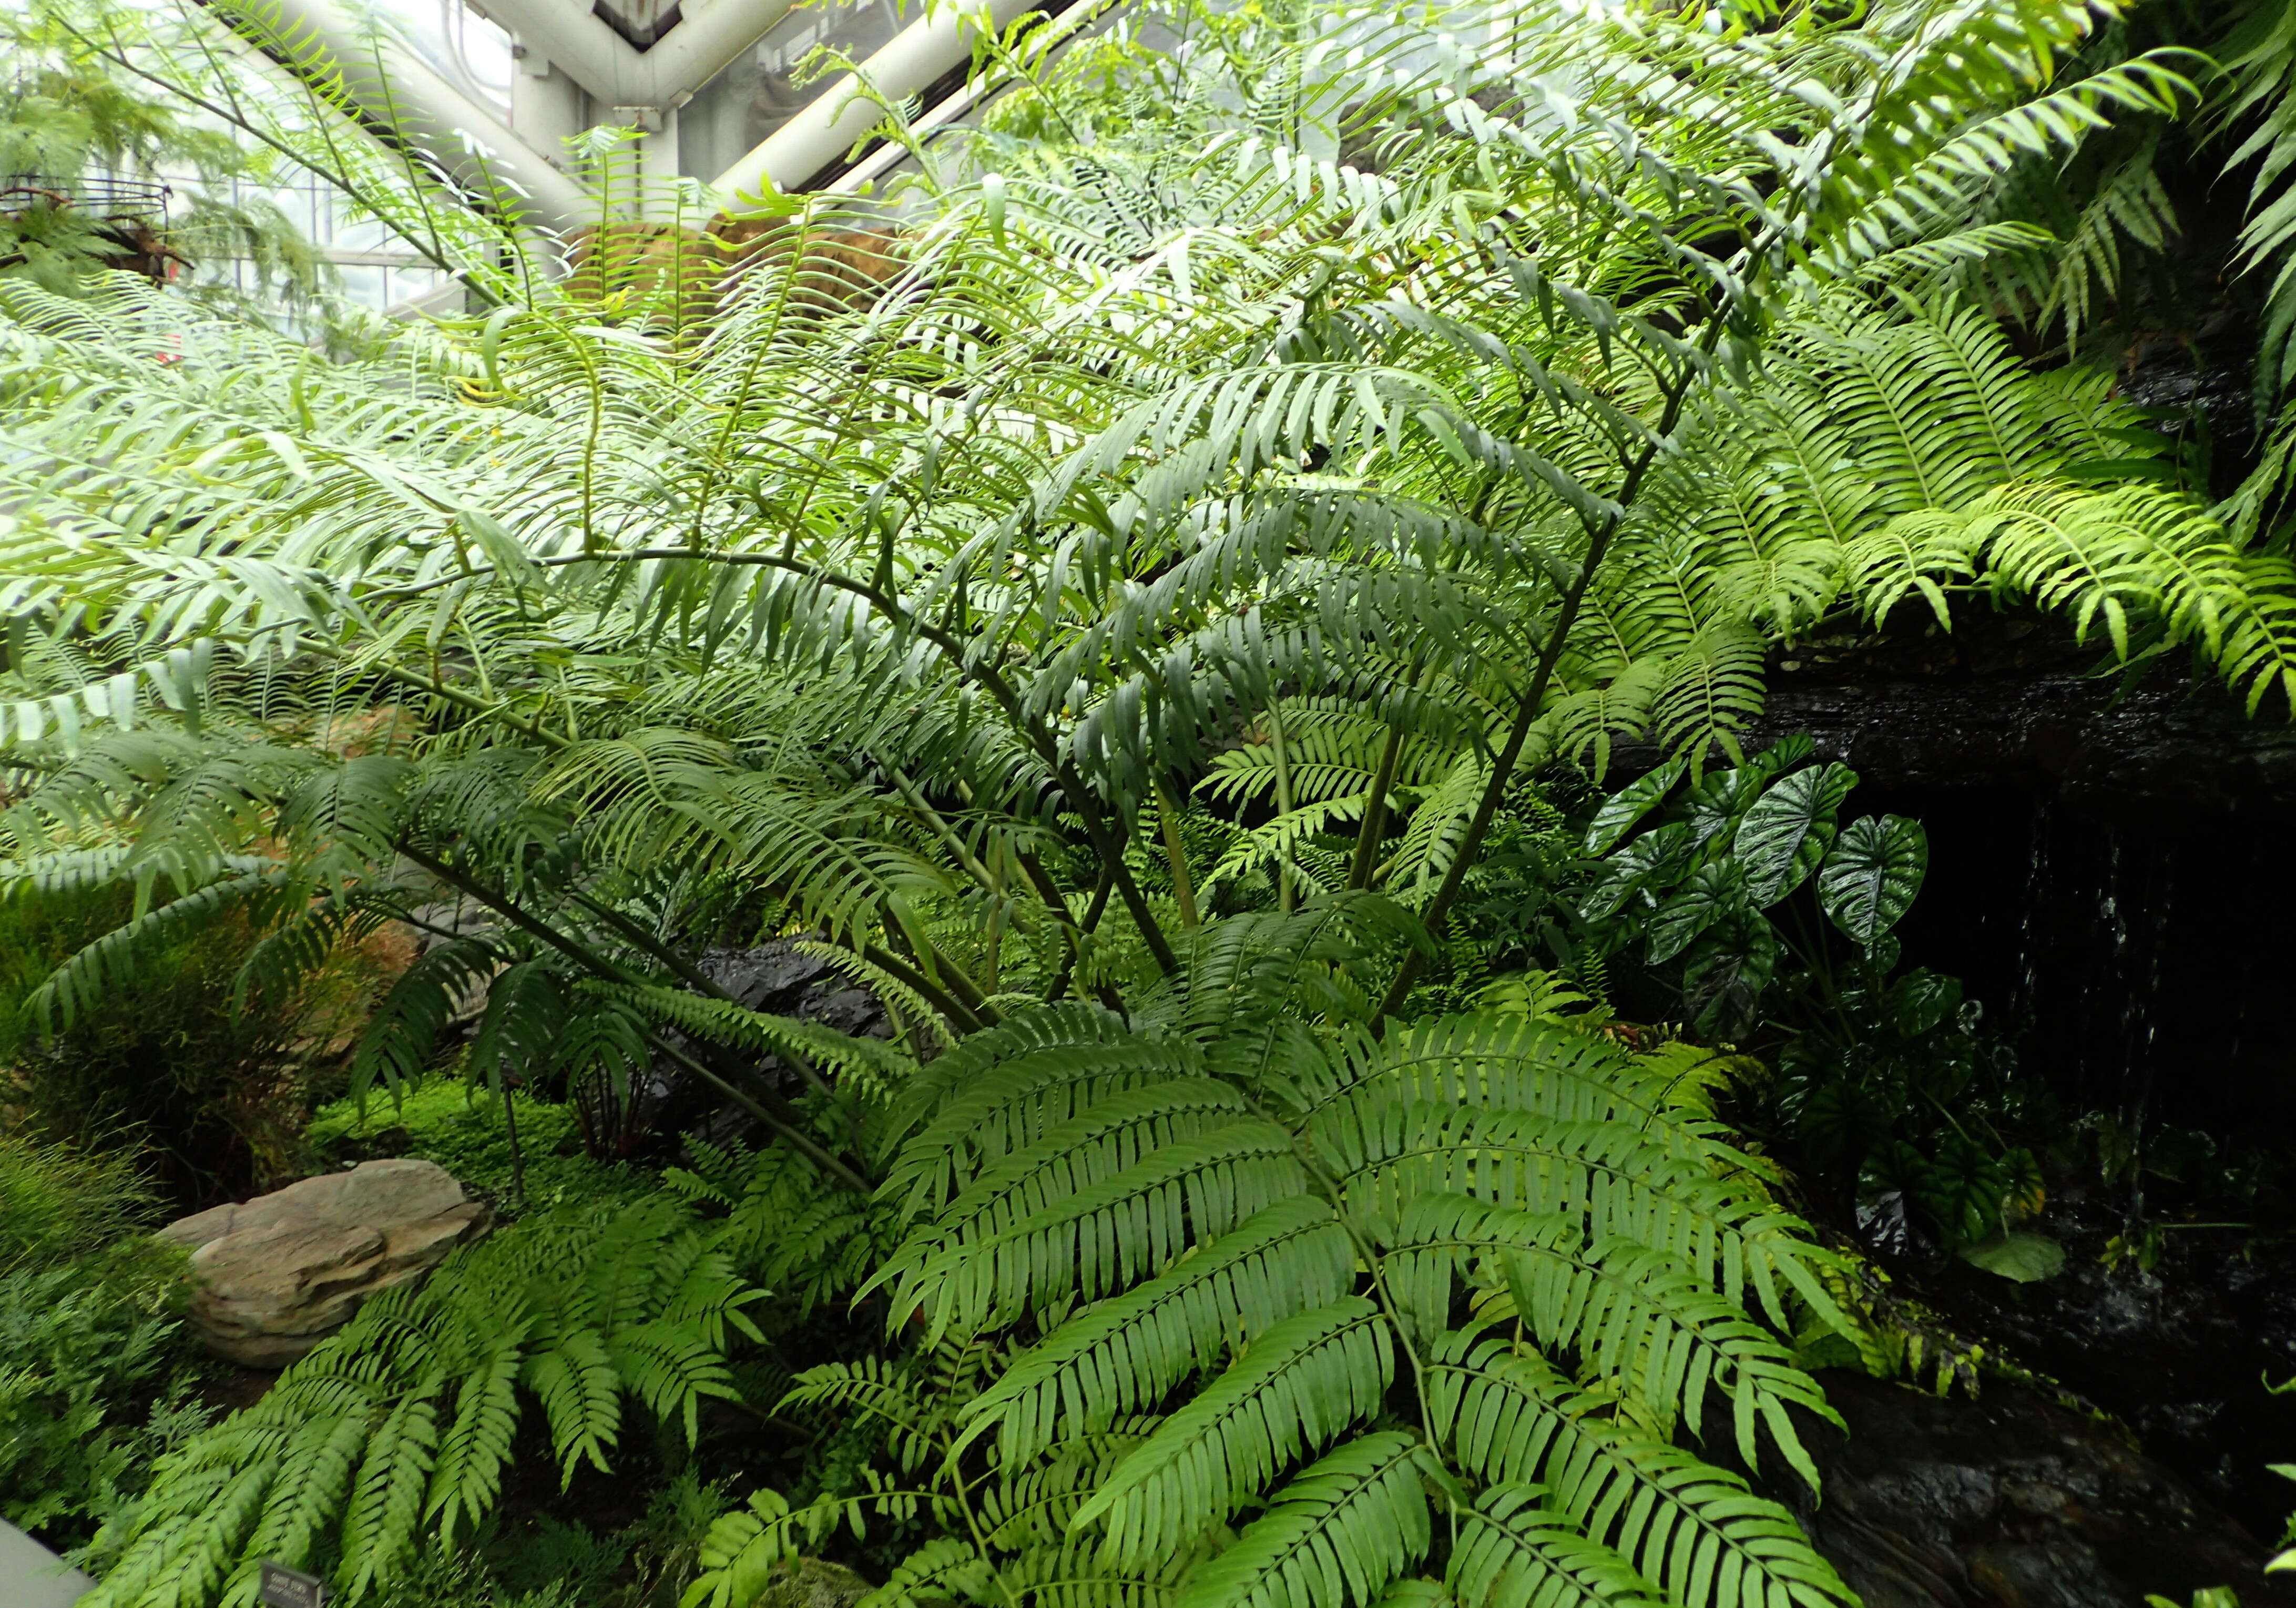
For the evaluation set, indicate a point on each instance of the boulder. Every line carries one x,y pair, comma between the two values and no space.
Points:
2013,1501
274,1276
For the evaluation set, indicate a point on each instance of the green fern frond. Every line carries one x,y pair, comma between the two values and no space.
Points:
1102,1236
1513,1421
1342,1528
1123,1355
1513,1549
401,1039
1295,1387
114,961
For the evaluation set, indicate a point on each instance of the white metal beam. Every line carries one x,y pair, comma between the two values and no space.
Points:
836,119
928,124
614,73
395,87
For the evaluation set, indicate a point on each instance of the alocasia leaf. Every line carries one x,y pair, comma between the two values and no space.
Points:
1787,831
1728,969
1713,891
1653,861
1630,804
1872,874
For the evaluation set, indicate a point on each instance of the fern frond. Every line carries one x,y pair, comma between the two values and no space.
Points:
1513,1549
1337,1534
1103,1237
1295,1387
1123,1355
1513,1420
1637,1317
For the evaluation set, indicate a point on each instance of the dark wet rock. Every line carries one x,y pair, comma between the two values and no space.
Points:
775,976
2009,701
2005,701
780,980
2183,1352
2014,1501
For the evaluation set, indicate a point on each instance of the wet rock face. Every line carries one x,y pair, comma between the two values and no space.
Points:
2183,1352
2012,1501
2013,701
778,978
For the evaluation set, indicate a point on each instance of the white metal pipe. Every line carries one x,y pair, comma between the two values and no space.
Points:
392,86
1052,37
835,120
701,45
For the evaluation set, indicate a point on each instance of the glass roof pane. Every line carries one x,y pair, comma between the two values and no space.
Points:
467,50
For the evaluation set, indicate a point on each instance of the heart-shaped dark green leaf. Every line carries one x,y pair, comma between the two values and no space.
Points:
1630,804
1783,754
1787,831
1653,862
1965,1189
1728,971
1919,1001
2026,1258
1712,892
1714,806
1871,876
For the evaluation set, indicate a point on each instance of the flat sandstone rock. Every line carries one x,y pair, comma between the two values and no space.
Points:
274,1276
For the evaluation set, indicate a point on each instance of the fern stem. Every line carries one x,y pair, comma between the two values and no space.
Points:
1550,655
796,1137
940,827
695,978
789,1123
1104,842
1083,930
517,1156
960,986
963,1020
1167,818
1282,801
1365,863
1335,1194
1047,891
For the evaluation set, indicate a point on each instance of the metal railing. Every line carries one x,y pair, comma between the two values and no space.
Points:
121,199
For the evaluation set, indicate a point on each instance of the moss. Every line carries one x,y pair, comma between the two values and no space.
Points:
461,1127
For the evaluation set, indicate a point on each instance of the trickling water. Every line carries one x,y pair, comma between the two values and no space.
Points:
2022,1004
2127,963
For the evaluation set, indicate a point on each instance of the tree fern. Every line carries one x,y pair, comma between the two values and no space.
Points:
1247,1303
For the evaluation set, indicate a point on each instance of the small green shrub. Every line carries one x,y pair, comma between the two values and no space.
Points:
92,1363
59,1204
90,1393
459,1579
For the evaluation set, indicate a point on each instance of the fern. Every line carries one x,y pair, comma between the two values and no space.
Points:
394,1434
1237,1301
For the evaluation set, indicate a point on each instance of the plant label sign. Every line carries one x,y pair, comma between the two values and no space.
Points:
285,1588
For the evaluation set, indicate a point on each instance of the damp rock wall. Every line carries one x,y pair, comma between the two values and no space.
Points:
2112,868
